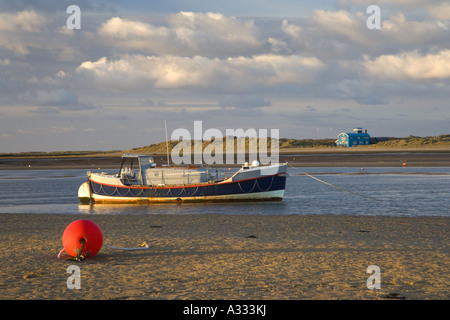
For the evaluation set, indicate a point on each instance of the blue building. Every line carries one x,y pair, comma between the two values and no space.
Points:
355,138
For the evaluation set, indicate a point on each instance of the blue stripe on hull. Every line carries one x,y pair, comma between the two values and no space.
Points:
262,184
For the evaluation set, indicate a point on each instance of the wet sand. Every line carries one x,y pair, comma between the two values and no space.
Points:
209,257
383,158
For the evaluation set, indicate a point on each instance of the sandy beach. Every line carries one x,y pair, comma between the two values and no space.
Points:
230,257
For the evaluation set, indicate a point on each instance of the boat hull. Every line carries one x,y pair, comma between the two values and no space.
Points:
265,188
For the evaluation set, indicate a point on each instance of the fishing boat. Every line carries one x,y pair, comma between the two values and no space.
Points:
140,180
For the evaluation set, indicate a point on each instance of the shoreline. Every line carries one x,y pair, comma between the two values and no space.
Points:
237,257
296,158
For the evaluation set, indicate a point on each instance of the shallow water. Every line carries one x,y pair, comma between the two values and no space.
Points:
383,191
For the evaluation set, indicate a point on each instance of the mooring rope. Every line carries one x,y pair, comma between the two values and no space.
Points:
143,246
332,185
61,253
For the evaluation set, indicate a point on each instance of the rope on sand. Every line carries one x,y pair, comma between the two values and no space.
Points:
143,246
60,254
332,185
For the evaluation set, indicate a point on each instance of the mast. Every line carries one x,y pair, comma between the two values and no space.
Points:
167,144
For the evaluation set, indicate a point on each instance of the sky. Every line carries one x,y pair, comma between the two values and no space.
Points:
311,69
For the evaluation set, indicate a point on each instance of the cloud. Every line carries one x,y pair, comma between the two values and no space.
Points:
367,92
231,74
399,30
343,34
49,6
410,66
27,20
45,110
58,130
440,11
129,34
436,9
402,3
244,101
136,68
15,30
109,114
59,98
185,33
351,26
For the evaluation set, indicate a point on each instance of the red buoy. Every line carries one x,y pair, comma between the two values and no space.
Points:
82,239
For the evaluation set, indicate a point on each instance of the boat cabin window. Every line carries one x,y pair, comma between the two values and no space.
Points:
146,162
133,163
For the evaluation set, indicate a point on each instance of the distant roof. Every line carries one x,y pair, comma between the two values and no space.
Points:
353,134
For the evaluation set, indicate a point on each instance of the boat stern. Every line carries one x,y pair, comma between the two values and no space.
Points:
84,193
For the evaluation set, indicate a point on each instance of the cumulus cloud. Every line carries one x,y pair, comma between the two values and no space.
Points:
185,33
437,9
343,23
27,20
129,34
16,27
138,71
169,72
410,66
205,65
400,30
343,34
